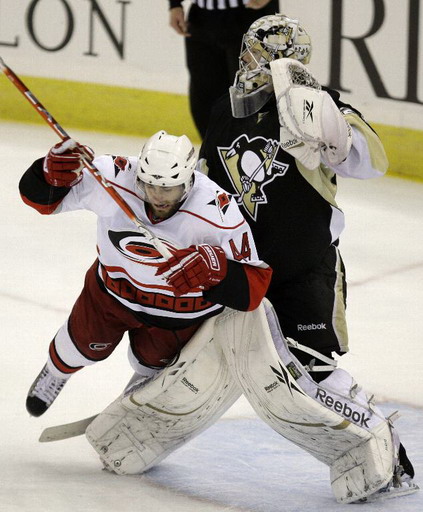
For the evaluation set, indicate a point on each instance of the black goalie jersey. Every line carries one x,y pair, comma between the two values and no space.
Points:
292,210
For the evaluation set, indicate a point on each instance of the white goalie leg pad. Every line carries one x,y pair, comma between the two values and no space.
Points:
333,421
150,421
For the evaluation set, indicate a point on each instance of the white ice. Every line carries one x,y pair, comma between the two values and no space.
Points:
239,464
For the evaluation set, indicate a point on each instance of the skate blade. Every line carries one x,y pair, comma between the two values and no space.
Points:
391,492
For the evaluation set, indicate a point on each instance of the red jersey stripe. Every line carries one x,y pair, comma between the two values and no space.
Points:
258,281
44,209
143,285
58,363
210,222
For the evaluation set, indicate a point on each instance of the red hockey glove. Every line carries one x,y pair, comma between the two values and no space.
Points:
198,266
63,163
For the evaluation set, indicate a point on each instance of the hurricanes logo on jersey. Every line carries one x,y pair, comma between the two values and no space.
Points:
251,165
136,247
222,202
120,163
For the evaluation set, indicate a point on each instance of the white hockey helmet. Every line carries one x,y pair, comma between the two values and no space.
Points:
269,38
166,161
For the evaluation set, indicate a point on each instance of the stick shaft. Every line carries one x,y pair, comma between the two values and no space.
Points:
45,114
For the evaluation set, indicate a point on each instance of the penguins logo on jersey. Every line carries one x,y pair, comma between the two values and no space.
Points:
136,247
251,165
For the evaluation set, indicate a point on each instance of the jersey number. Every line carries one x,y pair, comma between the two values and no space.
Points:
245,252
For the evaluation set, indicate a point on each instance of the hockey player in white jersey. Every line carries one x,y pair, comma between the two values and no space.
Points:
131,287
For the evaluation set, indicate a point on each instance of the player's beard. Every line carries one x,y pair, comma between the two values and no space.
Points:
163,211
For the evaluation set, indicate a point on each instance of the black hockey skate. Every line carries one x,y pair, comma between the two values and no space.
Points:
43,392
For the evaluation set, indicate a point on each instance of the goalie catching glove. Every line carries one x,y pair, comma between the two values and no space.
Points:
312,126
198,266
63,163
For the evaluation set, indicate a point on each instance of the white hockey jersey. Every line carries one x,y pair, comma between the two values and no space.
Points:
128,261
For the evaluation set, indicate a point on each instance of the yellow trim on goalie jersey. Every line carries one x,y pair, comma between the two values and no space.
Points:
377,151
136,112
320,179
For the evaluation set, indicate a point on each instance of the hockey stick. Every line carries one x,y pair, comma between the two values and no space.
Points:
254,174
45,114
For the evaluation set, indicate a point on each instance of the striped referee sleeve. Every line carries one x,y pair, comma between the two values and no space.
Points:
212,5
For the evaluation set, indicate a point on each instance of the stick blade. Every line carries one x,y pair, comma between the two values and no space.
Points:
66,431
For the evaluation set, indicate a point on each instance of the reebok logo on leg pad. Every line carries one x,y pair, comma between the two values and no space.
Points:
342,408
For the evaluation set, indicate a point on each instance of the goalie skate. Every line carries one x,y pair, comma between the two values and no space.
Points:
391,491
401,484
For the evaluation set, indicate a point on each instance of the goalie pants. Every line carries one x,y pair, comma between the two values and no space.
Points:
97,324
311,310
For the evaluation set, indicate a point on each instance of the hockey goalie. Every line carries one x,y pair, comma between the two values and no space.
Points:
334,420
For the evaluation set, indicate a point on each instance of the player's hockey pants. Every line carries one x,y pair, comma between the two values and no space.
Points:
97,324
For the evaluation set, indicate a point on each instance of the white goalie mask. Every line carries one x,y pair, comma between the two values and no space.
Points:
166,161
269,38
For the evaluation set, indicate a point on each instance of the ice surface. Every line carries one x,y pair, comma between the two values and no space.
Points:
239,464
